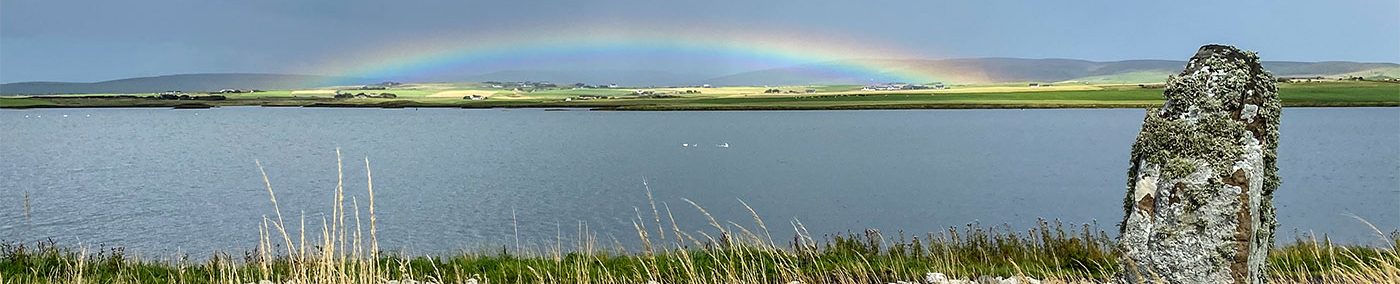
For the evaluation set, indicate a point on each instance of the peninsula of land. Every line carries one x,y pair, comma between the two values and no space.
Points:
1293,93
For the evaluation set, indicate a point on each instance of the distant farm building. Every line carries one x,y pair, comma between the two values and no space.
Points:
1299,79
895,86
172,95
340,95
178,95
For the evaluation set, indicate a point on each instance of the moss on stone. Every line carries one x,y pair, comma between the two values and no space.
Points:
1217,114
1200,120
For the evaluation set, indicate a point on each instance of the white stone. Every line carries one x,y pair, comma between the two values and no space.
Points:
935,278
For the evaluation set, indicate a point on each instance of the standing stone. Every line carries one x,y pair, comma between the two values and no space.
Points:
1199,207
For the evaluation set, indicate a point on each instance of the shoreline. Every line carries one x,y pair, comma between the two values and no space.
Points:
1050,252
1329,94
677,107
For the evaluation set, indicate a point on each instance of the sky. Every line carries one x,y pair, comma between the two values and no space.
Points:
85,41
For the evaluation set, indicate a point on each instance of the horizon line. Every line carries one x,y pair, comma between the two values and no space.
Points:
2,81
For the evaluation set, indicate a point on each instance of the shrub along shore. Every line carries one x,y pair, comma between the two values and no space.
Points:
1049,253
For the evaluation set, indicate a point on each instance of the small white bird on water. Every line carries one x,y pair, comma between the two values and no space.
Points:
725,145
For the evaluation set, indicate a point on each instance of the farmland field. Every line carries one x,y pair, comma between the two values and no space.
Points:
1328,93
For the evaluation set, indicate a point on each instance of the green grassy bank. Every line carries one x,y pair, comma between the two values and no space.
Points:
1309,94
345,249
1049,252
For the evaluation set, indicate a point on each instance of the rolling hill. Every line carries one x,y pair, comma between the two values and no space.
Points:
182,82
622,77
1002,70
958,71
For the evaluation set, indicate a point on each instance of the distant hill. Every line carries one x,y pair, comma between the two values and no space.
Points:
1000,70
182,82
970,70
621,77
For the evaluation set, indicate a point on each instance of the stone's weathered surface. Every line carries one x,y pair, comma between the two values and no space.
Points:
1199,204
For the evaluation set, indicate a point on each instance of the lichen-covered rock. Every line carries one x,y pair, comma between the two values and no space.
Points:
1199,205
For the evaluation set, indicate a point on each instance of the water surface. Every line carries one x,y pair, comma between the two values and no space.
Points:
159,180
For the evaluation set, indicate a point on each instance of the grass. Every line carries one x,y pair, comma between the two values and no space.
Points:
1310,94
345,250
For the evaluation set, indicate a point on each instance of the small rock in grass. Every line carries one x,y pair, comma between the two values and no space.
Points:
934,277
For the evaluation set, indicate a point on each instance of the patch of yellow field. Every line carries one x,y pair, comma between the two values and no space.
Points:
1007,89
430,86
987,89
485,93
313,92
462,93
727,92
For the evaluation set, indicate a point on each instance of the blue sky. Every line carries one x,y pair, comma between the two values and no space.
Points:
60,40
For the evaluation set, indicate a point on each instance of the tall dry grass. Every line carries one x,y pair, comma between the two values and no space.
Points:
345,249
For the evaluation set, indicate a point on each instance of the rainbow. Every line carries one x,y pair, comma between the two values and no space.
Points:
836,57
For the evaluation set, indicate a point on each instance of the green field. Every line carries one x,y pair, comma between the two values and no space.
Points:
1327,93
1049,252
